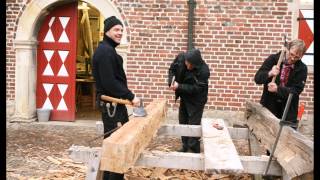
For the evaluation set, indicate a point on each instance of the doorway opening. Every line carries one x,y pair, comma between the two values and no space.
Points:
89,34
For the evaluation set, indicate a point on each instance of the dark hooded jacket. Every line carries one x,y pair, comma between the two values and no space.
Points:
193,84
108,71
276,102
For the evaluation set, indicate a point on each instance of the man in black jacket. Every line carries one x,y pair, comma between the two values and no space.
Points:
111,80
190,83
290,78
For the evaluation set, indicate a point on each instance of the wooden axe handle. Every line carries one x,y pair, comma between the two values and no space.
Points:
116,100
279,62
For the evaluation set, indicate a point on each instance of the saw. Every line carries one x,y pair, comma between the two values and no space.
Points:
137,111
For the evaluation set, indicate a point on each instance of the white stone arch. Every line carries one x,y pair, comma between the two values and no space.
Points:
25,44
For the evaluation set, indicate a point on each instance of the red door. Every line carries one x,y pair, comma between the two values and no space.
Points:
56,62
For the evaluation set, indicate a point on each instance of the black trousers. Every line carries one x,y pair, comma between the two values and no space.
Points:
109,123
191,143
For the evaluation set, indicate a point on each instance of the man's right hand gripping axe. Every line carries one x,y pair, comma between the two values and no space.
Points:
138,111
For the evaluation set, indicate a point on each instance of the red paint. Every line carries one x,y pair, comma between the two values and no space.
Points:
68,10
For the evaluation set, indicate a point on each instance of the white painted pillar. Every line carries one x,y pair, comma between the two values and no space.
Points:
26,73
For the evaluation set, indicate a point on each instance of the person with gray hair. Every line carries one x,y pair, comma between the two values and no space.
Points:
290,78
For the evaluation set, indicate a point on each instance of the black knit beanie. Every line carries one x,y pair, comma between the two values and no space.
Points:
110,22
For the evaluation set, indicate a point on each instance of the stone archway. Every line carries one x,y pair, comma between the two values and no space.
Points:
25,44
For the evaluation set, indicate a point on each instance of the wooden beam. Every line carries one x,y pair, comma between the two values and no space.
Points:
121,150
196,131
180,130
177,160
255,150
193,161
294,151
220,154
256,165
238,133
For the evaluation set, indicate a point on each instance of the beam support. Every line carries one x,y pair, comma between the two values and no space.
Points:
188,130
190,161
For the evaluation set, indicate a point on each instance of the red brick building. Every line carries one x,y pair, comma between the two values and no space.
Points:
234,37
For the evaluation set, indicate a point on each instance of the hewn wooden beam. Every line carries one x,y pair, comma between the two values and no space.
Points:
121,150
178,160
196,131
294,151
188,130
220,154
175,160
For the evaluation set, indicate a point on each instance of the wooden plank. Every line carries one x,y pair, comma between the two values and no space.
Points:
123,147
294,151
220,154
196,131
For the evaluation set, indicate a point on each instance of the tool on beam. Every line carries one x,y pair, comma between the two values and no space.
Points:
282,123
137,112
282,55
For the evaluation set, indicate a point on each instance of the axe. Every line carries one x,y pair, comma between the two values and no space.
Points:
138,111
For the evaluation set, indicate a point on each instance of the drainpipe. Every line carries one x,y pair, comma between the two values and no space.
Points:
192,5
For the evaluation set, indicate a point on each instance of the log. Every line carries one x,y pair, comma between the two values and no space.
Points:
121,150
294,151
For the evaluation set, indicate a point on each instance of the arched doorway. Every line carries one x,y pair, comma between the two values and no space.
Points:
26,50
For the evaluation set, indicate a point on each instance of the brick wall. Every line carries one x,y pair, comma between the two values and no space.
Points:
234,36
13,11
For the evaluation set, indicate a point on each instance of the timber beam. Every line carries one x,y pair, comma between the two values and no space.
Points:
121,150
178,160
189,130
294,151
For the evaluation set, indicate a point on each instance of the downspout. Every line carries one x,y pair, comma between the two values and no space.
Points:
192,5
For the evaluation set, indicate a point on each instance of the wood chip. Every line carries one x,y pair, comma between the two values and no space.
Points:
53,160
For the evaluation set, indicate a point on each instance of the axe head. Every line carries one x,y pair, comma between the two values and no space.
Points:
139,111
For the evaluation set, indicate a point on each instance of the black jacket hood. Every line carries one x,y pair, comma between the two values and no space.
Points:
194,57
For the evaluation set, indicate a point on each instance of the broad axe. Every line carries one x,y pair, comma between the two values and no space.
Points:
138,111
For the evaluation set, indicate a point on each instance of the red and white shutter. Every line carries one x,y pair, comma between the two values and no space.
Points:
56,62
306,31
